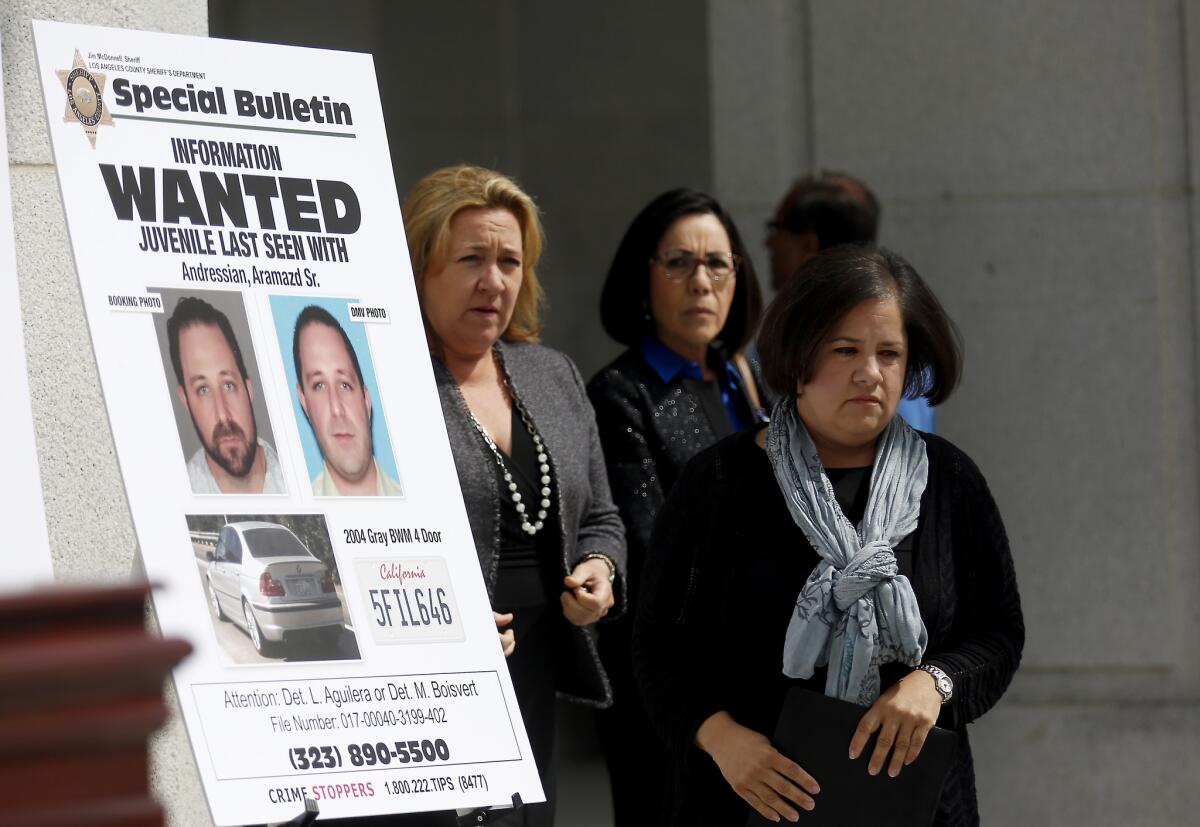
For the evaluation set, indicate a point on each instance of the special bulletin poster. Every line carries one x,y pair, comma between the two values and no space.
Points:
25,554
241,257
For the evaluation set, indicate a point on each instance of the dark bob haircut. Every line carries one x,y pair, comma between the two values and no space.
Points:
625,299
833,283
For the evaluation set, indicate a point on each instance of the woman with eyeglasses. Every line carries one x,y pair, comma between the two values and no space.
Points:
682,295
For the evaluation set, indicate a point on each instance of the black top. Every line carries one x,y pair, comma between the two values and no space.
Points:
550,388
851,487
719,589
528,564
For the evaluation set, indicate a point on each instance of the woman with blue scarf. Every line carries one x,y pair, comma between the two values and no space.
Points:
836,549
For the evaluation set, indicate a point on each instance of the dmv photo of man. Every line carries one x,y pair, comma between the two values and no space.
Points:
212,384
337,404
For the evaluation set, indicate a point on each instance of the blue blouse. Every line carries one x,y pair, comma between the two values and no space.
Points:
669,365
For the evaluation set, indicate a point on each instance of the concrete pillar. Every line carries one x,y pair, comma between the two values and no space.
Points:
91,532
760,83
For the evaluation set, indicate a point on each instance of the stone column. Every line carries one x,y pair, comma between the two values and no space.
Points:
91,532
760,82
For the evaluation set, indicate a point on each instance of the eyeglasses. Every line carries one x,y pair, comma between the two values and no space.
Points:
681,264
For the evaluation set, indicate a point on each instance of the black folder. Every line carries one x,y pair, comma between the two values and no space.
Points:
815,731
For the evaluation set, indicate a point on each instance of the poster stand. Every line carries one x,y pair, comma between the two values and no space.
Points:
311,811
480,815
483,815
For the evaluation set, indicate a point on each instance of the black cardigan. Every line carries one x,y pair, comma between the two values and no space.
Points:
718,589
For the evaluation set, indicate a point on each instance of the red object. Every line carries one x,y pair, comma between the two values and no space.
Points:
269,586
80,692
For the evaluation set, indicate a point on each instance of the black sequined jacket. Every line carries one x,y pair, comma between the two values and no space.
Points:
551,389
649,430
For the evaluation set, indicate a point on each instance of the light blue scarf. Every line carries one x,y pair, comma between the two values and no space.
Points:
855,611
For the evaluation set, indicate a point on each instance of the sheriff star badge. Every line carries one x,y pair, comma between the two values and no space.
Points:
85,97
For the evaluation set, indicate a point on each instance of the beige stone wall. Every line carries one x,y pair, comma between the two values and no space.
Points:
91,533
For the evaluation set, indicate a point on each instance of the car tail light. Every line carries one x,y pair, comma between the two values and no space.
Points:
269,586
327,582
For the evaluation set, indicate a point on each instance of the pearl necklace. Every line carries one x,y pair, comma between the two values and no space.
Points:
543,466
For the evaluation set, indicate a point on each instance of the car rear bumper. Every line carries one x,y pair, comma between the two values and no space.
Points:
274,621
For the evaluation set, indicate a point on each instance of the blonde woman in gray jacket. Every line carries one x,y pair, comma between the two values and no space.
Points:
549,539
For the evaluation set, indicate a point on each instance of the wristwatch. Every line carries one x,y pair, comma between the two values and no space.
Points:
941,681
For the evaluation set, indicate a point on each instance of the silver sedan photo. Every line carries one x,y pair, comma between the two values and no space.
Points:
263,578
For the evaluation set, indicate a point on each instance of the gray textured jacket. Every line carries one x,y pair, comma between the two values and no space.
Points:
549,385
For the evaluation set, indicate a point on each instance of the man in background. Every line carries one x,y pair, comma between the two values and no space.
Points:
822,211
338,407
819,211
212,384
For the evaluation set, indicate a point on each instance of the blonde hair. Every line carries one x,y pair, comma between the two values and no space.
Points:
441,195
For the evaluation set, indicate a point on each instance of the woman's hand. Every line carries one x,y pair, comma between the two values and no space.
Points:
904,714
755,770
508,638
589,593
